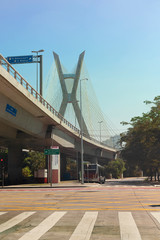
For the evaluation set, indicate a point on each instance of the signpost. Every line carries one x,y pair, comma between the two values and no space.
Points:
30,59
51,151
20,59
53,166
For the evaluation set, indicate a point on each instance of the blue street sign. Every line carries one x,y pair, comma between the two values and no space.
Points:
11,110
20,59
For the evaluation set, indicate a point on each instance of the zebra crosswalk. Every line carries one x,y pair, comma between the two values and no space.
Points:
128,226
79,225
14,221
43,227
85,227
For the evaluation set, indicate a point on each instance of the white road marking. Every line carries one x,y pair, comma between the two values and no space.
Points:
156,215
43,227
15,220
85,227
128,228
1,213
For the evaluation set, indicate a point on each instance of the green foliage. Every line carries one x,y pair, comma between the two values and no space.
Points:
35,161
116,167
26,172
142,140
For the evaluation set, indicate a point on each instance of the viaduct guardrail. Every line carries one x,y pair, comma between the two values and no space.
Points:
11,70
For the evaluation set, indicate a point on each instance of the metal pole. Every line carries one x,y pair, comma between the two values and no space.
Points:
2,176
77,166
50,156
37,72
48,173
41,75
87,173
82,166
82,163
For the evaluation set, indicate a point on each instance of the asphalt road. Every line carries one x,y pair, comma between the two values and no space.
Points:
120,209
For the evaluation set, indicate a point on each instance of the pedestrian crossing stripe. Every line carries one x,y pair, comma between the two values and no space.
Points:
14,221
85,227
128,228
156,215
43,227
1,213
83,231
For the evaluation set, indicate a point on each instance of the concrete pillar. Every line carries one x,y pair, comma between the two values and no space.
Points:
63,166
14,164
95,160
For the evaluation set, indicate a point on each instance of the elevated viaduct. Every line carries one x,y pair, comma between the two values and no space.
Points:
27,120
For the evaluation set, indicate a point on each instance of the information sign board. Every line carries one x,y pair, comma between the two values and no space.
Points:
20,59
51,151
11,110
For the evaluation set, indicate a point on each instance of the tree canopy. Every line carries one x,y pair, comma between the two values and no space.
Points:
116,168
33,161
142,140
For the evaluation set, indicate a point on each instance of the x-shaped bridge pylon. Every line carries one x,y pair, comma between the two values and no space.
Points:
71,97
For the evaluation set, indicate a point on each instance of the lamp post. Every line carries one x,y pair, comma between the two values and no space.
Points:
100,129
82,165
37,65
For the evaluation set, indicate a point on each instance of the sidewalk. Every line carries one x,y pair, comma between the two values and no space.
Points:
62,184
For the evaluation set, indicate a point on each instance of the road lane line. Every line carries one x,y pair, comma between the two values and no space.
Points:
43,227
15,220
128,228
84,229
156,215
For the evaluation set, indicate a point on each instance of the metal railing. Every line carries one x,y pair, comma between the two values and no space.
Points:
10,69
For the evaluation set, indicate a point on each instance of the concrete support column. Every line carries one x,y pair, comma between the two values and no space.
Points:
95,160
63,166
14,164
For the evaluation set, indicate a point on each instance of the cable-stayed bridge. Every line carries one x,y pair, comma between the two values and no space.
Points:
28,120
64,89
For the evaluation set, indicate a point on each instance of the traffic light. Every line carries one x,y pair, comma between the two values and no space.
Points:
2,162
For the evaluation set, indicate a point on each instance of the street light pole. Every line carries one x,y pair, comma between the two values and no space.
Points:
37,65
100,129
82,164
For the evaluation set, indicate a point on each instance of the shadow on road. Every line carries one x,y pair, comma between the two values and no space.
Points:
129,182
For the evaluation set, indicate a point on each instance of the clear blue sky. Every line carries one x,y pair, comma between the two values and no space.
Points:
121,39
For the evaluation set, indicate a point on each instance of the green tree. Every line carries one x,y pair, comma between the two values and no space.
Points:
142,140
116,167
26,172
35,161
